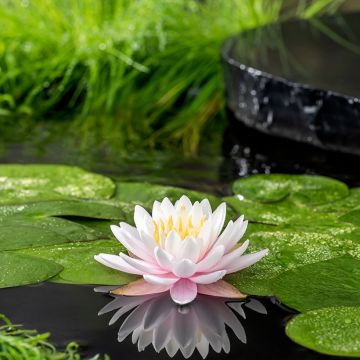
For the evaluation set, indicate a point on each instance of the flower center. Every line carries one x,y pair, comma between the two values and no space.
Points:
182,225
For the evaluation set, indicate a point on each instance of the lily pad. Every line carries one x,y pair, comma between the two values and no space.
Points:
335,282
18,269
352,217
331,331
79,208
276,187
38,182
147,193
22,232
79,264
289,248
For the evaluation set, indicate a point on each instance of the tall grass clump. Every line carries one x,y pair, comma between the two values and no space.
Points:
145,72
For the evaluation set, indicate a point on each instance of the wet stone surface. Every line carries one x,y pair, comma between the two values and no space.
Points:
298,80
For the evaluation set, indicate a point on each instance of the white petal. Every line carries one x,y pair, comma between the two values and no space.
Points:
160,280
184,268
206,207
232,258
185,202
142,219
134,245
173,243
189,249
211,259
247,260
167,208
143,266
196,214
156,211
115,262
208,278
218,218
163,258
238,232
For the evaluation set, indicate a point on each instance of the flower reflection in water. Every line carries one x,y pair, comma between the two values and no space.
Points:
157,320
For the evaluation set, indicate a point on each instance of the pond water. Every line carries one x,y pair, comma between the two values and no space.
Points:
70,312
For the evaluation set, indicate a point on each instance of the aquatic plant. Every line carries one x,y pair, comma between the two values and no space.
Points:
141,72
181,247
17,343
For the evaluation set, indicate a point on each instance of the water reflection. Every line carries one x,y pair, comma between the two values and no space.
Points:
203,324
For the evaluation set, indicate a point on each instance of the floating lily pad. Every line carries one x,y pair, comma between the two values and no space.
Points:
332,331
276,187
272,213
79,208
352,217
18,269
146,193
289,248
79,264
21,232
350,202
38,182
335,282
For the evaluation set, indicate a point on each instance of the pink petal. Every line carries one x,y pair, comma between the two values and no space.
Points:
209,278
184,291
184,268
221,289
140,287
160,280
115,262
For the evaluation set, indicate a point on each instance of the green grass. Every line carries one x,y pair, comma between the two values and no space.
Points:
143,73
19,344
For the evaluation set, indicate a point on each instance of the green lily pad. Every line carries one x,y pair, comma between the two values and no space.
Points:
146,193
19,232
304,188
335,282
79,264
18,269
331,331
289,248
352,217
342,206
38,182
273,213
79,208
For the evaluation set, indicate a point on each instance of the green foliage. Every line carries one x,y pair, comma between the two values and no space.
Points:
26,183
17,269
328,283
152,65
332,331
19,344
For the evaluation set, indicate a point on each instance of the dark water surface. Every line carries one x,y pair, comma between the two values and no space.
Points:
69,312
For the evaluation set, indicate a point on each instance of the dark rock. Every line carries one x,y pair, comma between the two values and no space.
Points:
298,80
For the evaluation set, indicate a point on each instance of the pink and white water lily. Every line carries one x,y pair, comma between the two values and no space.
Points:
181,247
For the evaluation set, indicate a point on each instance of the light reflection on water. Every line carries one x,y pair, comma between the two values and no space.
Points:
201,325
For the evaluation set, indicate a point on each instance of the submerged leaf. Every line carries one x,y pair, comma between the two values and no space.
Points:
332,331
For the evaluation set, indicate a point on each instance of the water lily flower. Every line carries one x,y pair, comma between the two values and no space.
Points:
181,248
201,325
